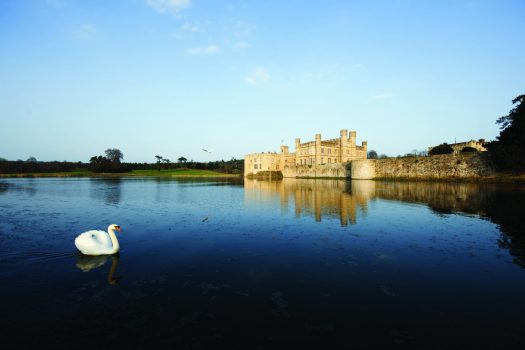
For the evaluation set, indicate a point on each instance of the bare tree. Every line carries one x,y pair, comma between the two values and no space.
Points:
159,162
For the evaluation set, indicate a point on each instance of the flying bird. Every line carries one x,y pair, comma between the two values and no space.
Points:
205,150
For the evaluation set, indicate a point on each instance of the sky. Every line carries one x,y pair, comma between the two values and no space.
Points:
171,77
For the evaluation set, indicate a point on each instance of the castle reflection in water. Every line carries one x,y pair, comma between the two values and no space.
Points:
313,197
345,199
502,204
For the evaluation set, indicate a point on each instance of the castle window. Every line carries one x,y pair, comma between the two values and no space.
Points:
329,151
255,166
322,150
329,160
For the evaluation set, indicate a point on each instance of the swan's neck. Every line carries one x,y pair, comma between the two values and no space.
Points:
114,240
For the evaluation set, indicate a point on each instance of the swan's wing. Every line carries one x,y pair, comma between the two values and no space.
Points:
94,242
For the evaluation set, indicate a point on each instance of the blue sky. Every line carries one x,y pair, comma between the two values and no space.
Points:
171,77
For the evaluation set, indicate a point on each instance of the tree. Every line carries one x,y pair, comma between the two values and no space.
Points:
444,148
114,155
3,159
468,149
372,154
159,162
182,160
31,160
110,163
508,151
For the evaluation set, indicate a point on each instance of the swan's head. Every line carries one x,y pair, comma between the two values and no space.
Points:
114,227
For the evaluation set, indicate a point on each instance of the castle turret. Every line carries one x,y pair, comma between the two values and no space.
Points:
343,145
364,145
297,152
317,156
352,138
284,149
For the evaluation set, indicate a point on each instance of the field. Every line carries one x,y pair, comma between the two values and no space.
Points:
162,173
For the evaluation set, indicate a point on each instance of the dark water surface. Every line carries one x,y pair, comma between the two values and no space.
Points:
227,263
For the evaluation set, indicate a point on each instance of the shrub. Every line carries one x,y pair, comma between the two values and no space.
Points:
444,148
468,149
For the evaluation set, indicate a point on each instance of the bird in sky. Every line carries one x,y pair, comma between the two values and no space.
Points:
205,150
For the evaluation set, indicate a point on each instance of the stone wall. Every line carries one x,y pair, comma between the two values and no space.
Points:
446,166
363,169
466,165
337,170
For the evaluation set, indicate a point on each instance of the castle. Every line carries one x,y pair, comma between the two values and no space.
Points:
458,147
317,152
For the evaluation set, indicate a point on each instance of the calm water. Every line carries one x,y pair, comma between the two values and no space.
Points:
318,263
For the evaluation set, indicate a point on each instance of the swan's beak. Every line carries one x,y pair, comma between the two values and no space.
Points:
117,228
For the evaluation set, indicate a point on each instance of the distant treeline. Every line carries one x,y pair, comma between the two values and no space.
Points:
233,166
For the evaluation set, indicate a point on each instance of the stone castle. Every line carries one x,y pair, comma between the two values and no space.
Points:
313,153
479,145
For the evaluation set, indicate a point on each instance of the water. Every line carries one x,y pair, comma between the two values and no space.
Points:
249,264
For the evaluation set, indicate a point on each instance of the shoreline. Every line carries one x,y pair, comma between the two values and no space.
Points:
499,178
164,174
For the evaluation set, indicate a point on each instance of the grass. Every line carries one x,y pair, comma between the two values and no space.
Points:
177,172
152,173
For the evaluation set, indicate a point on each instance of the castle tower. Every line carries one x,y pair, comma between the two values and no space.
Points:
364,144
352,139
317,155
284,150
297,152
343,145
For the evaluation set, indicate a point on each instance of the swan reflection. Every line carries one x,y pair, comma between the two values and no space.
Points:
86,263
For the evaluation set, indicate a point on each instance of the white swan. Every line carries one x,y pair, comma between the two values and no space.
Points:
96,242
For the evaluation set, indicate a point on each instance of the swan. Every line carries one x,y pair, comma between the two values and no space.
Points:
96,242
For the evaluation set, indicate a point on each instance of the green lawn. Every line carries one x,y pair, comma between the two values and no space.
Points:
176,172
165,172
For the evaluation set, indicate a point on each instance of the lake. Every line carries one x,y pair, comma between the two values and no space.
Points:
254,264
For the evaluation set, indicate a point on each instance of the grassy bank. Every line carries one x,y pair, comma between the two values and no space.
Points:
151,173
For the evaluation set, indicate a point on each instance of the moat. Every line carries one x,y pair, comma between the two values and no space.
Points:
253,264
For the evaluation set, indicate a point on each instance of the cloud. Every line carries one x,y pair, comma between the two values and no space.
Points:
189,27
242,44
382,96
326,71
206,50
259,75
169,5
58,4
243,29
86,31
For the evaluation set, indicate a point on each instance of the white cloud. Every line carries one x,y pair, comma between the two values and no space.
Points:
86,31
190,27
169,5
242,44
244,29
206,50
259,75
382,96
57,3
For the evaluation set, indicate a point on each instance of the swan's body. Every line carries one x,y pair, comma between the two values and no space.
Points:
96,242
